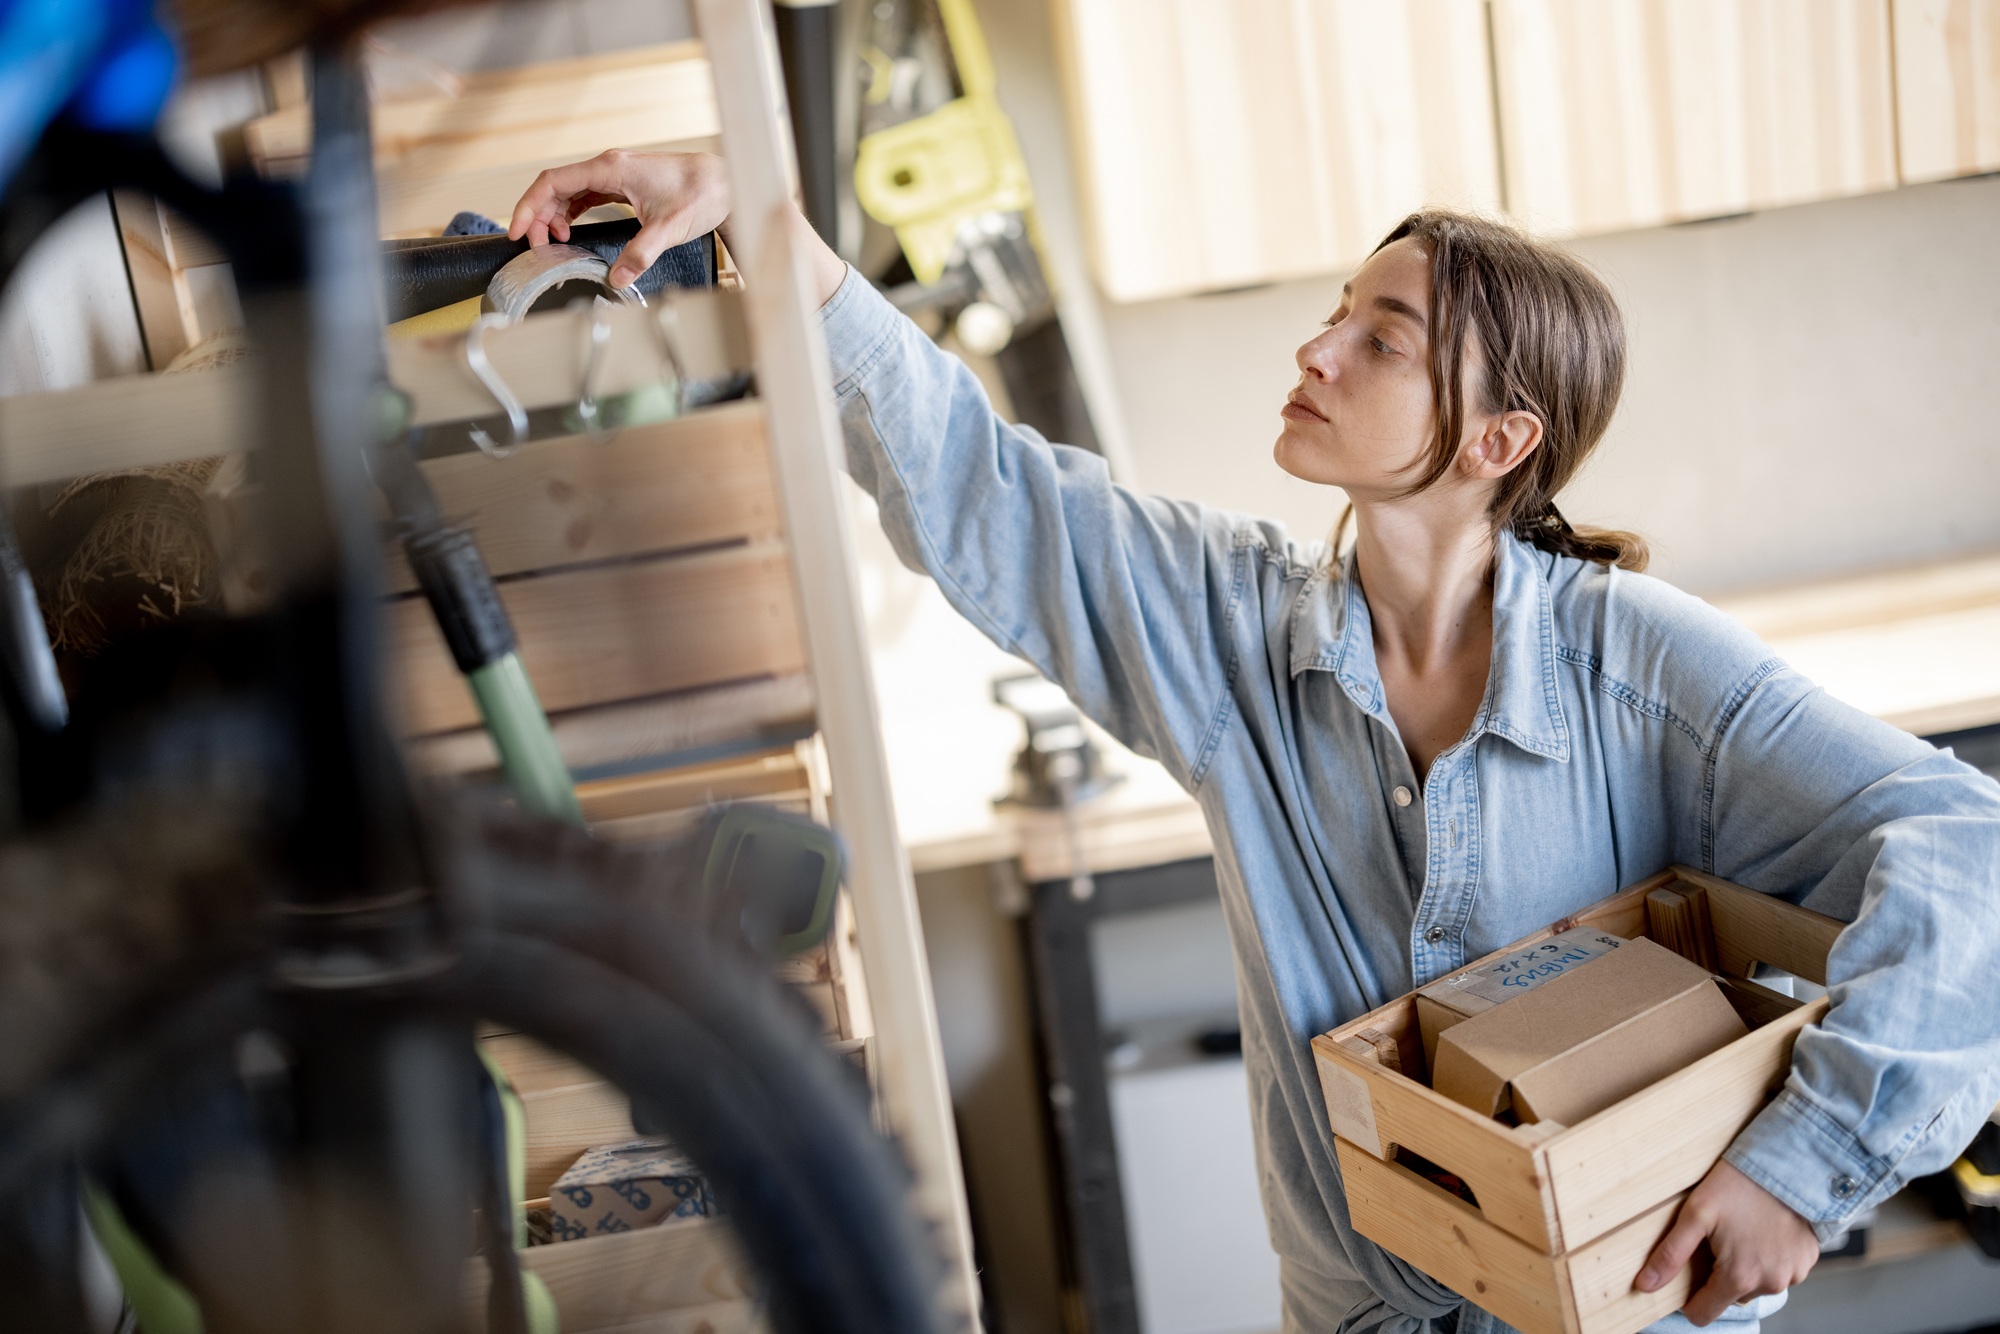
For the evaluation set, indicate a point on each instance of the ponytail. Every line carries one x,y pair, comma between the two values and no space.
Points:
1606,546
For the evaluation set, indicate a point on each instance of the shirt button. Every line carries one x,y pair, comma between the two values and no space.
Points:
1402,796
1436,933
1844,1187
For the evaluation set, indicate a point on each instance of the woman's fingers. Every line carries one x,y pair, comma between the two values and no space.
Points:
545,207
653,240
1676,1249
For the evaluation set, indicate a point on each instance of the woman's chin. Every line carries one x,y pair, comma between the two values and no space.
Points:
1302,460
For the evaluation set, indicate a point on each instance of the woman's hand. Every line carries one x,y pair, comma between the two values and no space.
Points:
1760,1245
678,196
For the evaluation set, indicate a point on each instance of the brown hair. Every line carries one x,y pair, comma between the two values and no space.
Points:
1553,345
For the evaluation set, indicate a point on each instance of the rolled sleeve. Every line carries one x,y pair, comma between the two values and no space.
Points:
1123,600
1825,807
1812,1164
859,332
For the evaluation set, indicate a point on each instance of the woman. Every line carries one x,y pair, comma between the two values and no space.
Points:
1475,723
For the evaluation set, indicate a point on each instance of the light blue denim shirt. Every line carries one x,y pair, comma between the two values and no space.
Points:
1625,726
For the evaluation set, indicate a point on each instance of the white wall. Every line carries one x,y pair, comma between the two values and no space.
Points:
1811,391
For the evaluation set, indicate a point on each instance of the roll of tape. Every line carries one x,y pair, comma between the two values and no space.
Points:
539,270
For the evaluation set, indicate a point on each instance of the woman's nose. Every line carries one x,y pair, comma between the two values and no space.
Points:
1316,356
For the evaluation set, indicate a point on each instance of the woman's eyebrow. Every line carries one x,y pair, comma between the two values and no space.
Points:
1390,303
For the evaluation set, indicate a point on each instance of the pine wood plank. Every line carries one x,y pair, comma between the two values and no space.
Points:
563,1121
159,284
598,634
1596,1279
532,1067
661,726
125,421
775,773
131,421
1222,145
1947,87
1447,1238
797,384
660,93
1756,928
1630,113
696,481
601,1283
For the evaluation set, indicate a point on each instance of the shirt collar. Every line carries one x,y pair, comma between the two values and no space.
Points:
1331,632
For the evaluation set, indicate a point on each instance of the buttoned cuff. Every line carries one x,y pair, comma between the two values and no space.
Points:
1811,1163
859,324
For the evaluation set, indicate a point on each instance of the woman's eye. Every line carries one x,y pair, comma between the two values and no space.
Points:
1381,346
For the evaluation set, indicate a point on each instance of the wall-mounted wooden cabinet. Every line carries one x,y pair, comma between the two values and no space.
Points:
1228,142
1947,87
1225,143
1630,113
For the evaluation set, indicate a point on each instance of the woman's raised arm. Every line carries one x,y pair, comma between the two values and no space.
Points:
1121,599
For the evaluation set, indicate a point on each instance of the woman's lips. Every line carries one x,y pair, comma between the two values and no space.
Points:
1299,410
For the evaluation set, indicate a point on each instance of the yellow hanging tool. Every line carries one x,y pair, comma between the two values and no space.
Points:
924,177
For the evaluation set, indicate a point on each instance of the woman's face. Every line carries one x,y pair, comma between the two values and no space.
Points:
1362,415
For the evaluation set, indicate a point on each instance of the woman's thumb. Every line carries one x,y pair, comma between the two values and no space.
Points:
639,253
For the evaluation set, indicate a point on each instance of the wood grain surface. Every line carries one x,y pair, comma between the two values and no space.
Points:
1628,113
1947,87
1221,145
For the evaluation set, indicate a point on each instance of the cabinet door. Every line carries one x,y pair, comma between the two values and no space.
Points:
1222,143
1947,87
1630,113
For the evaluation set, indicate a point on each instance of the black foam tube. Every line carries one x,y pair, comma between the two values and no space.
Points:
433,272
805,48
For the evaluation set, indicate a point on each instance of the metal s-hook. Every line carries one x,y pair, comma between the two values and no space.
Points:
588,410
481,367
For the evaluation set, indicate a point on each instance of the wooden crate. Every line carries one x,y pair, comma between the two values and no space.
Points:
1566,1214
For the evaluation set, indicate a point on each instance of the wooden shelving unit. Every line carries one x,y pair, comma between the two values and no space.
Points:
684,593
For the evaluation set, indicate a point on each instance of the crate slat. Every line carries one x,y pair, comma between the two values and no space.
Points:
696,481
617,632
641,729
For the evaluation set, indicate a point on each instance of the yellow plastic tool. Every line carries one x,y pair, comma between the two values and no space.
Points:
926,176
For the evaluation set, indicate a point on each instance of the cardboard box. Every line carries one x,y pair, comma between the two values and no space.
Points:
1563,1215
619,1187
1590,1037
1477,989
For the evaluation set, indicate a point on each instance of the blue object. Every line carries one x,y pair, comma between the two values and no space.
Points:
107,63
468,223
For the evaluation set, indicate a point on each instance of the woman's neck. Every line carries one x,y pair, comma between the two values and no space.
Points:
1428,577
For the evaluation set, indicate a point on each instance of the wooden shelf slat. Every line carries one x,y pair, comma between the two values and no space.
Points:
624,631
696,481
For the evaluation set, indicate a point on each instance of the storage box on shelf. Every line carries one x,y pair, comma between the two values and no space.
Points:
1566,1215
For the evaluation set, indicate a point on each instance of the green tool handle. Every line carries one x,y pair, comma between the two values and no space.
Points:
521,733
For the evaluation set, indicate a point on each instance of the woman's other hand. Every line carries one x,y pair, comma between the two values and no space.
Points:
678,196
1760,1245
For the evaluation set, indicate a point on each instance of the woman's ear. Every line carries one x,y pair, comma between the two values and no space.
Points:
1504,441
